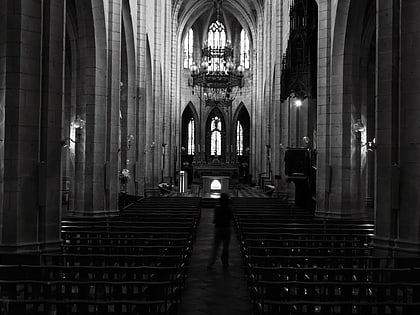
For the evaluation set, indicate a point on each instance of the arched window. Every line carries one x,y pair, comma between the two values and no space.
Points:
191,138
217,35
244,49
239,139
216,136
216,38
188,49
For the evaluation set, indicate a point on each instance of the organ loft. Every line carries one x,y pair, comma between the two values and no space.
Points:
122,122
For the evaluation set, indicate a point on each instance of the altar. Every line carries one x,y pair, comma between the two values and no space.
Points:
215,184
206,173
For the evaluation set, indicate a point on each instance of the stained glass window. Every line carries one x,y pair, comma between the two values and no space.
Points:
188,49
191,137
239,139
244,49
216,136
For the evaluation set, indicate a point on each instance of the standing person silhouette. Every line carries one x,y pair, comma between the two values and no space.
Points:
223,216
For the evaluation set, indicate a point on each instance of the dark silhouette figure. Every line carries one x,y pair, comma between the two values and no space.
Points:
223,216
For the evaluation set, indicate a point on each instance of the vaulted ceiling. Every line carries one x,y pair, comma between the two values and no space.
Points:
200,12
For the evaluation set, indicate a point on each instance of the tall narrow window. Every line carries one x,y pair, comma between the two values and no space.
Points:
188,49
216,38
216,136
239,139
244,49
191,137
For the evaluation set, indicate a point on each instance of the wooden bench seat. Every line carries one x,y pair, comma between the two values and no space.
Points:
124,249
303,230
131,222
117,241
338,291
309,251
131,230
44,306
346,274
318,261
333,243
365,238
61,259
126,234
274,307
85,273
307,225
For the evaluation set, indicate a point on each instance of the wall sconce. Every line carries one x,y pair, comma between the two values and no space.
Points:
78,124
358,127
370,145
297,101
149,148
130,138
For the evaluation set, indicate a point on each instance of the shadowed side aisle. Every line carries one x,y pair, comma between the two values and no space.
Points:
215,291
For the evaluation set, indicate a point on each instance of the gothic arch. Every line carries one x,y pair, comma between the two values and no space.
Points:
187,14
210,155
353,35
242,115
68,153
191,107
188,113
129,90
149,116
128,127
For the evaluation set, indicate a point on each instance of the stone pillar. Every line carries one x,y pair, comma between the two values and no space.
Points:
409,230
113,142
387,93
131,148
141,44
323,185
32,72
3,61
398,116
52,88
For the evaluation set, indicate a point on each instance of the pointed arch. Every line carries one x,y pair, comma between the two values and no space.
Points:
149,116
71,66
189,114
215,135
128,108
130,139
243,118
242,142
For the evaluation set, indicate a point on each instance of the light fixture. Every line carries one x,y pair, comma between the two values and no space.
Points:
78,124
217,78
370,145
298,103
358,126
130,138
149,148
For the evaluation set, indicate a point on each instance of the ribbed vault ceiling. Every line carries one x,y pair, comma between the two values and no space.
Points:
189,12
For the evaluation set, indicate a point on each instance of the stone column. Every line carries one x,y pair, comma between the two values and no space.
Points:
387,125
113,142
323,185
31,71
398,116
3,61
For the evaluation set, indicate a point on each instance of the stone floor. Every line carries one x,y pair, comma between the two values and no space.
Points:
216,291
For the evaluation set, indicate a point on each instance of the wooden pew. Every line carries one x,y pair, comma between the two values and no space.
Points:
60,259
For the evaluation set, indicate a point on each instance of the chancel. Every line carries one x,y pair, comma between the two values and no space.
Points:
123,122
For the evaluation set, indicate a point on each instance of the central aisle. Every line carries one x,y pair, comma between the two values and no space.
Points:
216,291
